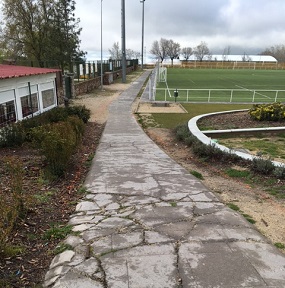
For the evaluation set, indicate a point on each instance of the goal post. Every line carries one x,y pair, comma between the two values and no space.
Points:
162,74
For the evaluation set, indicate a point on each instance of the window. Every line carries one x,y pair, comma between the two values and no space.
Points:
29,104
48,98
7,113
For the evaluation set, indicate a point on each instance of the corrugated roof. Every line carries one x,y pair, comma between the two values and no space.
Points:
13,71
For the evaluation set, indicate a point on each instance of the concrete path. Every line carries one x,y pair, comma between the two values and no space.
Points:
146,222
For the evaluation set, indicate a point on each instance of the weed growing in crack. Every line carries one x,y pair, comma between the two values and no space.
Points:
61,248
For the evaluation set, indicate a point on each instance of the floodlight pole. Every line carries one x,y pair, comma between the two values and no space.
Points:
101,49
123,44
142,1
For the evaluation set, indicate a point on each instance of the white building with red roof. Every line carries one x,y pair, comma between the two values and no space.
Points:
26,91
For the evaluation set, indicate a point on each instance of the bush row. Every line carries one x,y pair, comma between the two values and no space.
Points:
207,152
270,112
56,133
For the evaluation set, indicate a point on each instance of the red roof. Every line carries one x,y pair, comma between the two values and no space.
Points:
13,71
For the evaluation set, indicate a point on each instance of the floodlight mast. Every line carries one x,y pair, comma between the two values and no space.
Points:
123,43
101,49
142,1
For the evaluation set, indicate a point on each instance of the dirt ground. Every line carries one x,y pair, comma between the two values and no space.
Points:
266,210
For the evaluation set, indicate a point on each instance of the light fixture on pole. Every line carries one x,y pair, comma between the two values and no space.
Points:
101,49
142,1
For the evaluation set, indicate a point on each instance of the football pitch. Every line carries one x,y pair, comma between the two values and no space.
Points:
218,85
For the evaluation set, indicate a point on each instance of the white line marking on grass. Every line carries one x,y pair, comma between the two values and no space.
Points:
253,91
168,90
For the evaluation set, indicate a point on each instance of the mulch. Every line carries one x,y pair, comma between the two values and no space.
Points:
238,120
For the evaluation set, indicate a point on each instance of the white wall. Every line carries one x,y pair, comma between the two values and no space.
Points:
13,89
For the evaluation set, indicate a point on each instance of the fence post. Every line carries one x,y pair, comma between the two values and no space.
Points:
253,96
276,96
231,95
187,95
209,95
149,90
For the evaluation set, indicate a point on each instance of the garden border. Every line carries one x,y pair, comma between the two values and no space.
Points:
193,128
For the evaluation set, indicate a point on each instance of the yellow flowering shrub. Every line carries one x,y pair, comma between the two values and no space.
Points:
270,112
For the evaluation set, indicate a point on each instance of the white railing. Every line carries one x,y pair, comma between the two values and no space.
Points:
219,95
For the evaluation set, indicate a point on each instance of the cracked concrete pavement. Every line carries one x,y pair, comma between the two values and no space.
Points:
146,222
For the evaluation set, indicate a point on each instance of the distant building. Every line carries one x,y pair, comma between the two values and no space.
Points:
222,58
26,91
243,58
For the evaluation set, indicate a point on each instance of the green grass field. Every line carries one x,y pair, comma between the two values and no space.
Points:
241,85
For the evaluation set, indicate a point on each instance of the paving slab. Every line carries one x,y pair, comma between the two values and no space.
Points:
147,222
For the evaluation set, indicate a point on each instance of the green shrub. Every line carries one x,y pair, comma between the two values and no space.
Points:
80,111
12,135
269,112
263,166
14,202
78,127
57,143
182,132
279,172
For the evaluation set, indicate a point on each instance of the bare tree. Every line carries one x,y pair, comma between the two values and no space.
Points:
115,52
246,58
277,51
187,52
131,54
159,49
226,53
173,50
201,51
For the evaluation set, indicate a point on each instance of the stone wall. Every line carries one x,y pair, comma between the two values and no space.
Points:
108,78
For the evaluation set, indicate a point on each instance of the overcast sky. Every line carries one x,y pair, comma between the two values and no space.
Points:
247,26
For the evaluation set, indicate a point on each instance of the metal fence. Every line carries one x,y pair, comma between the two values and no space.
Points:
219,95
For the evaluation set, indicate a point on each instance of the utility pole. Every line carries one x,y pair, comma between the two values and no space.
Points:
124,68
142,1
101,50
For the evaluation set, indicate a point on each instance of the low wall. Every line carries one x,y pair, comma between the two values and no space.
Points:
87,86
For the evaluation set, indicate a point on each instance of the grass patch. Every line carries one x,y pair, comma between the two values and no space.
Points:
57,231
272,146
197,174
279,245
171,120
237,173
12,251
248,218
233,206
44,197
82,190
